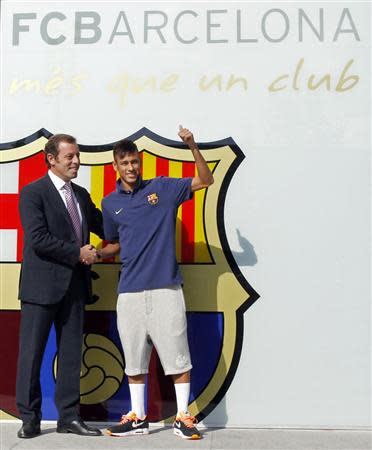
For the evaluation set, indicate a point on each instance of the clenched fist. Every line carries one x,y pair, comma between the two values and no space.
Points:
187,137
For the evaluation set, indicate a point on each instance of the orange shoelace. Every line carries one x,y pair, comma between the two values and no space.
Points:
188,420
128,418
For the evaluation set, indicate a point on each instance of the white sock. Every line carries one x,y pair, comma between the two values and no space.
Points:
182,396
137,397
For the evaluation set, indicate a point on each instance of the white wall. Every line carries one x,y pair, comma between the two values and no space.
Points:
304,185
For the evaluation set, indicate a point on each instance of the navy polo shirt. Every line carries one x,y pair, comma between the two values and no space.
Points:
143,221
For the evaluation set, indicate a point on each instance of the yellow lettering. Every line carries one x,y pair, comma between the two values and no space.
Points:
120,84
274,88
204,85
233,80
342,80
168,84
138,86
312,86
28,85
54,83
297,74
76,83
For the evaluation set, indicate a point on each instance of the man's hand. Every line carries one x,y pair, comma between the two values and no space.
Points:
111,249
187,137
204,178
88,254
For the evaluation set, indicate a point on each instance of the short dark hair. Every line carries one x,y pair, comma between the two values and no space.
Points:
123,147
52,146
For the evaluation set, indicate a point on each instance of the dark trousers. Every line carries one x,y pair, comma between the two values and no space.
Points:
36,322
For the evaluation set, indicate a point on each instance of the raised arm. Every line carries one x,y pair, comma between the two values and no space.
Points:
205,176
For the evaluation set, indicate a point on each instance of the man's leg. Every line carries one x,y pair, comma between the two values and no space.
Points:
132,309
169,333
184,425
182,387
36,321
69,334
137,394
131,312
134,422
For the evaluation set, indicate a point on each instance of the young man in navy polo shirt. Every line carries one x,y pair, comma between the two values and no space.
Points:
140,216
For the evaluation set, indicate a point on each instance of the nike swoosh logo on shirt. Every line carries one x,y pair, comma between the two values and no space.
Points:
119,211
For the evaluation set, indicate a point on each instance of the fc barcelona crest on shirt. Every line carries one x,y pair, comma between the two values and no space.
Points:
216,292
153,199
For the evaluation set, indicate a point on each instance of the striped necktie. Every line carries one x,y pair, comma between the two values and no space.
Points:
73,212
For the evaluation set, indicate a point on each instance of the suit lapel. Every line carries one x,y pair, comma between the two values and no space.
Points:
56,200
61,207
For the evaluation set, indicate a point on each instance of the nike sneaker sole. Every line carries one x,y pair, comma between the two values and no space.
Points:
179,433
129,433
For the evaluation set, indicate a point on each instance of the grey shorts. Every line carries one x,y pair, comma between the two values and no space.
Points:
154,317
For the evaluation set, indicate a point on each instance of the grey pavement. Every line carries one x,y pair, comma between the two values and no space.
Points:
213,438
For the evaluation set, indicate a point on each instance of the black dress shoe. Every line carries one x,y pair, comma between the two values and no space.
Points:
77,427
29,430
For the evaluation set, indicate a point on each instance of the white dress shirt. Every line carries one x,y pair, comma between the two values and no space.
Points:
59,184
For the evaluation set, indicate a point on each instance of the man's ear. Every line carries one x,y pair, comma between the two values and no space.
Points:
51,159
114,165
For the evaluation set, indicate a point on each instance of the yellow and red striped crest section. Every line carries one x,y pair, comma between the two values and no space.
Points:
191,242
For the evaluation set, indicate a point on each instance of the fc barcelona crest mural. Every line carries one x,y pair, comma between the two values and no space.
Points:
217,294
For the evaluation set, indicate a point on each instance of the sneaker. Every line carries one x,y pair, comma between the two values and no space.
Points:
184,427
129,424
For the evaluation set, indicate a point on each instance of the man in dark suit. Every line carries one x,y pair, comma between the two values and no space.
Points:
57,217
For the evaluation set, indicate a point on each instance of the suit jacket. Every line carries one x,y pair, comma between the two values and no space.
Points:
50,251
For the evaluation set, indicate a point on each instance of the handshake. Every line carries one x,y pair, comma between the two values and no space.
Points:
89,255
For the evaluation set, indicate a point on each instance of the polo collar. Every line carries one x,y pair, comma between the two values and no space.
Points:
120,190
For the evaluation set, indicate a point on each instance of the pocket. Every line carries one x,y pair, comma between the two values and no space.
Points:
181,298
179,312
